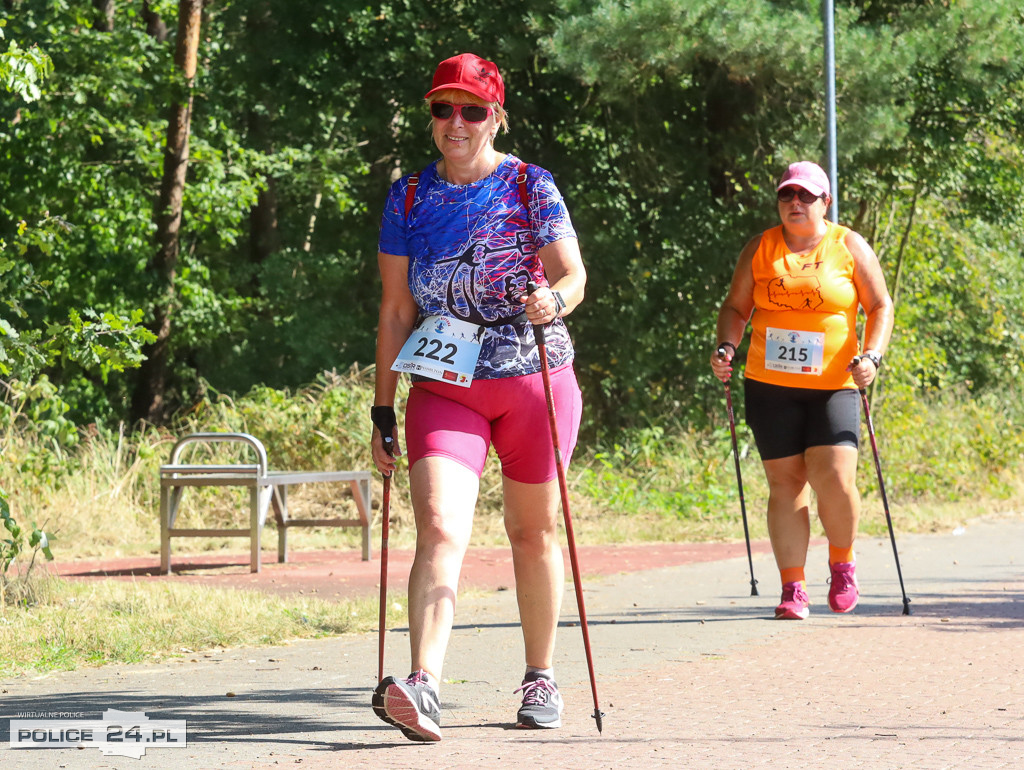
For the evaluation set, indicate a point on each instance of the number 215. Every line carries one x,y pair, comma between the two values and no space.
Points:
793,354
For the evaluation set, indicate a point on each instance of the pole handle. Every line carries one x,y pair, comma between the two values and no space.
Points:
538,329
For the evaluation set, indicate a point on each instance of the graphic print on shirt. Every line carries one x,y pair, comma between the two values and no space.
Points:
483,259
803,329
795,292
472,249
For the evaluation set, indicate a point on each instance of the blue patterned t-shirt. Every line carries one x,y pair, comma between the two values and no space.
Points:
472,249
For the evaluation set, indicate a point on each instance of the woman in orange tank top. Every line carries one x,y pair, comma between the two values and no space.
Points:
800,285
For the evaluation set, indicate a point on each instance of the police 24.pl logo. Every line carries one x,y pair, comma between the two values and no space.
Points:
117,734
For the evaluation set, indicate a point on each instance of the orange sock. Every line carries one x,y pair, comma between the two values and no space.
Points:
839,555
793,575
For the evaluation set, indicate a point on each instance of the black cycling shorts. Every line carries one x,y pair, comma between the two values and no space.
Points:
786,421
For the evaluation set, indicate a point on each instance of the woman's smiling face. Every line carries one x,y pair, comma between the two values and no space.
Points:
459,140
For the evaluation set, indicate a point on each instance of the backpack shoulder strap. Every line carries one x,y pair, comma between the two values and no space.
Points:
410,193
524,194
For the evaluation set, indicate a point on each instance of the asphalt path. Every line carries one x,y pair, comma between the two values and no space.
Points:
691,670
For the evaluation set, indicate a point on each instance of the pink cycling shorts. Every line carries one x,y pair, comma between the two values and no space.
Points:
443,420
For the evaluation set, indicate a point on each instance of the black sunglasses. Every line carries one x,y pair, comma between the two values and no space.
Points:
786,194
471,113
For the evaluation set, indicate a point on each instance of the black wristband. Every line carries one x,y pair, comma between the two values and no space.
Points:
873,357
727,344
559,302
384,418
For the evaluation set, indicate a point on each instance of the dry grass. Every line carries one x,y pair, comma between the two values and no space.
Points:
942,465
945,463
71,624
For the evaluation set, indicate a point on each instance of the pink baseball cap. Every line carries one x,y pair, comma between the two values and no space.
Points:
808,175
468,72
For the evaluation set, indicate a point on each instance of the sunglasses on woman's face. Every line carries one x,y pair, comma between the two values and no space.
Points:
786,194
471,113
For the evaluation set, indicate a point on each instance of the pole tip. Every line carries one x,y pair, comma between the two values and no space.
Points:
906,607
753,588
598,715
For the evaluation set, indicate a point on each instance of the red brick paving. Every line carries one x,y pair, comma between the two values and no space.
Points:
332,574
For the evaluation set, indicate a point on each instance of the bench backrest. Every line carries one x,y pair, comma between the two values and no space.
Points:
244,438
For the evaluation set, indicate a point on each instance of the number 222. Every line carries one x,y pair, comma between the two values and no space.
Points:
435,348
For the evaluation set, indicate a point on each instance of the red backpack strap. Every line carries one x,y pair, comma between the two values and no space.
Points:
410,193
524,194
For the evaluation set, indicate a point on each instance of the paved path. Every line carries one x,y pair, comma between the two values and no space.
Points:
343,573
691,672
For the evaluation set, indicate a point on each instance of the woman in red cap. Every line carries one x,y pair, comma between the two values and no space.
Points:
801,284
460,242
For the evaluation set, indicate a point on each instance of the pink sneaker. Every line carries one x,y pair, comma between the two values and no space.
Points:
843,593
795,602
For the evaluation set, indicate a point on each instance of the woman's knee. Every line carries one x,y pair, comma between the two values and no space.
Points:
786,478
833,471
534,536
531,513
435,532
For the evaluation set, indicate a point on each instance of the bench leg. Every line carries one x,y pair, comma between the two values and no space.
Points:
280,500
165,530
254,529
361,494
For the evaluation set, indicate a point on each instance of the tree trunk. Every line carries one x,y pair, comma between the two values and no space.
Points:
726,103
264,238
148,402
904,239
155,26
105,23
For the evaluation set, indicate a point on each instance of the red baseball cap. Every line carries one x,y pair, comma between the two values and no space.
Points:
468,72
808,175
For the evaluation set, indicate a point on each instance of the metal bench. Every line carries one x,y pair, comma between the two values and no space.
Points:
266,488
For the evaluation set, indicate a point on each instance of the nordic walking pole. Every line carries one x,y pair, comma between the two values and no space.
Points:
739,477
881,487
538,333
385,523
385,516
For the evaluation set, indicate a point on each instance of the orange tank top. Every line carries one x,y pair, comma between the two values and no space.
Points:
804,327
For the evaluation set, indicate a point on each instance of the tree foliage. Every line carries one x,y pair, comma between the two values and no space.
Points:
712,99
94,341
665,124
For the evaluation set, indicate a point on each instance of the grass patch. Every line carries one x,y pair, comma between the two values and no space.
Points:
76,623
947,458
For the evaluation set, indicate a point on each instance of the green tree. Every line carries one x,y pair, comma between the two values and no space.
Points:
148,399
103,342
712,99
98,341
664,123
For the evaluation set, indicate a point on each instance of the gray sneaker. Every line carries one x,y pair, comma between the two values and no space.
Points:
411,705
542,703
